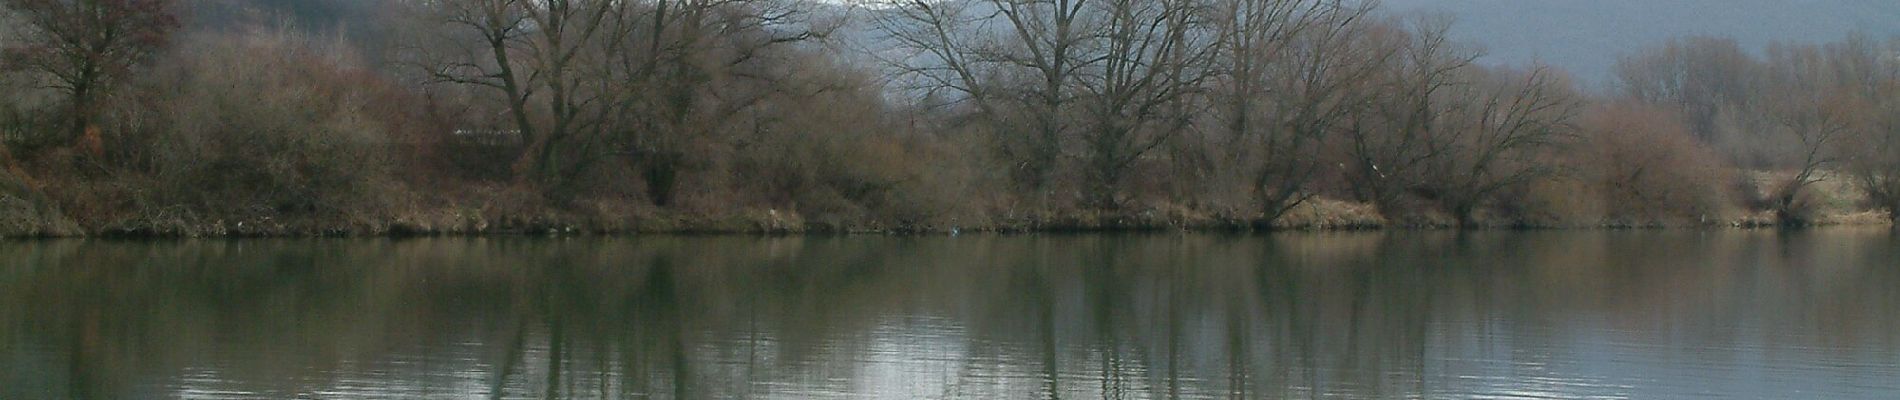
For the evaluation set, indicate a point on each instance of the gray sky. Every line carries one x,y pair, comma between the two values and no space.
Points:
1586,36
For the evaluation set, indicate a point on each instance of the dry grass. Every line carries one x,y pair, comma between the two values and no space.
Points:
26,212
22,217
1323,213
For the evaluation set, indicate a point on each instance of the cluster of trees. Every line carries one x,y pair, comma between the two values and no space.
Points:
1264,97
219,110
900,112
1816,111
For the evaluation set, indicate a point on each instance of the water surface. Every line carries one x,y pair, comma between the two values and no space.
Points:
1573,315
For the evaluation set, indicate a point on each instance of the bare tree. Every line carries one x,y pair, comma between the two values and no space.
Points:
698,64
1500,139
1808,118
1392,141
1874,156
1154,57
590,80
978,49
1706,79
1449,132
1870,70
1290,71
86,47
1115,76
533,54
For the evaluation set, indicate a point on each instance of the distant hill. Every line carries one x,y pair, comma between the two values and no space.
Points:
1586,36
309,15
368,24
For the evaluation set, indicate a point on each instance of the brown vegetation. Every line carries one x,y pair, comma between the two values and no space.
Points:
468,116
84,50
1647,166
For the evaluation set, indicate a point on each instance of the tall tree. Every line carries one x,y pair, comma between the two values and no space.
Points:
86,48
1867,69
1809,115
1393,140
1873,155
1290,71
697,65
1018,61
531,53
583,81
1499,136
1706,79
1153,61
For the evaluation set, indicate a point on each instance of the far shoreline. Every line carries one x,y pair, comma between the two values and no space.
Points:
740,226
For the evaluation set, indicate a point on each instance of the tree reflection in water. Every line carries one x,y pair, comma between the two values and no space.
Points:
1362,315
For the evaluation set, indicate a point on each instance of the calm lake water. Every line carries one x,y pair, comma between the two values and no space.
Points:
1570,315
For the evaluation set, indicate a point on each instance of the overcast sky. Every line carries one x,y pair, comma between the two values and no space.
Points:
1586,36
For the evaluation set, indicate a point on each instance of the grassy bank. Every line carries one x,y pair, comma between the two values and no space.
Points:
26,212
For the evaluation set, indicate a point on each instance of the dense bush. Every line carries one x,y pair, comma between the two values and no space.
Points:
1646,166
265,124
24,211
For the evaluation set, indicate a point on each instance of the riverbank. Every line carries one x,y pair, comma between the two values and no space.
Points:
134,207
27,218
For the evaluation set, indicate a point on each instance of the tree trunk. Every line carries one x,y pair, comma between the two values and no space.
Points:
82,114
662,177
1785,214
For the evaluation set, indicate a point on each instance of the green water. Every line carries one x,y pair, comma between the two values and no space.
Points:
1665,314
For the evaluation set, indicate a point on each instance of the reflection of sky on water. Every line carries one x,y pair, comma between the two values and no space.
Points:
1410,315
931,359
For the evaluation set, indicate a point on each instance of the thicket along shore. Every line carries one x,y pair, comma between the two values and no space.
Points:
336,117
